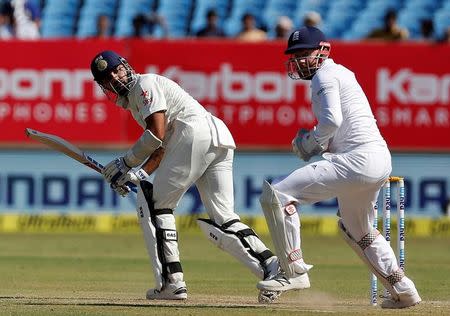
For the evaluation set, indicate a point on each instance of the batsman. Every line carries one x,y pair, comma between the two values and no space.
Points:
182,144
356,163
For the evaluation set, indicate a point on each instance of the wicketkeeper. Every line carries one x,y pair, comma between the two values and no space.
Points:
356,164
182,144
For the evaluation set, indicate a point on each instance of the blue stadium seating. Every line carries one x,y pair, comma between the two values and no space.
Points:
222,8
276,8
363,25
233,25
337,22
411,20
319,6
59,18
441,21
341,19
89,13
340,15
177,14
128,9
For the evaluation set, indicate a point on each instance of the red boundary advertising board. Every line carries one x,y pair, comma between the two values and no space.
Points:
46,85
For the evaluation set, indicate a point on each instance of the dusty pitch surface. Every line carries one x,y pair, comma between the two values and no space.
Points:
94,274
308,302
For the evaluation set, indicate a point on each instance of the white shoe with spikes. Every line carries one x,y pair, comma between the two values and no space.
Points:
170,291
281,282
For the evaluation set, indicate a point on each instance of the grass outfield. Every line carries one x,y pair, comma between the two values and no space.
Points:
94,274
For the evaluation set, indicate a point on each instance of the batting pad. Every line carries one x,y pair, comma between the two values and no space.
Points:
284,227
161,238
149,232
361,248
242,243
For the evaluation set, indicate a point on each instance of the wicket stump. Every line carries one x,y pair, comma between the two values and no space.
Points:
387,228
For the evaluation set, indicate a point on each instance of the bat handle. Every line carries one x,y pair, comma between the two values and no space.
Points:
132,186
116,176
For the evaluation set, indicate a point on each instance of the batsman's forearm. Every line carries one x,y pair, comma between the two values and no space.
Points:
153,162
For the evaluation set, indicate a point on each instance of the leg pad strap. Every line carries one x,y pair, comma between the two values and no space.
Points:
240,241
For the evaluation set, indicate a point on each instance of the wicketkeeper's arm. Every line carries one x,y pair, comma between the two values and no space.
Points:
330,117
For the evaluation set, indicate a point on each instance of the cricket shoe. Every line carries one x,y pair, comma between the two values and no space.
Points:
281,282
170,291
268,297
407,293
271,268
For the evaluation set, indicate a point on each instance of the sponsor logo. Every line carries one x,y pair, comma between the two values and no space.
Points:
31,84
408,87
407,116
59,112
231,85
170,235
56,223
51,95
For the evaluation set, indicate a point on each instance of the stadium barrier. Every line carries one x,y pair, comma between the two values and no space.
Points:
127,223
53,91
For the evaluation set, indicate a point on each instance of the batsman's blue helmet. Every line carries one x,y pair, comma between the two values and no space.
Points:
307,37
101,67
104,62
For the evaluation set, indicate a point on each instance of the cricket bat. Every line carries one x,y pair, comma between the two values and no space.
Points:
63,146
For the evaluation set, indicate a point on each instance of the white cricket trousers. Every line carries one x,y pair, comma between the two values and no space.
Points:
355,178
191,158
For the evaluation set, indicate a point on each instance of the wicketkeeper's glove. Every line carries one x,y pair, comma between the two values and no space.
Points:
305,145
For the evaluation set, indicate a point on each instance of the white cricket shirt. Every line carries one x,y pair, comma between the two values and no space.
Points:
342,111
153,93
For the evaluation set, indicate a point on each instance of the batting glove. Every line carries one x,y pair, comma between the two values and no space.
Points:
122,190
115,169
133,176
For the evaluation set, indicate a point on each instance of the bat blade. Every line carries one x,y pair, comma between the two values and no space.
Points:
63,146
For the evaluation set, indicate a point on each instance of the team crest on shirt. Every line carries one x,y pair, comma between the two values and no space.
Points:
147,97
